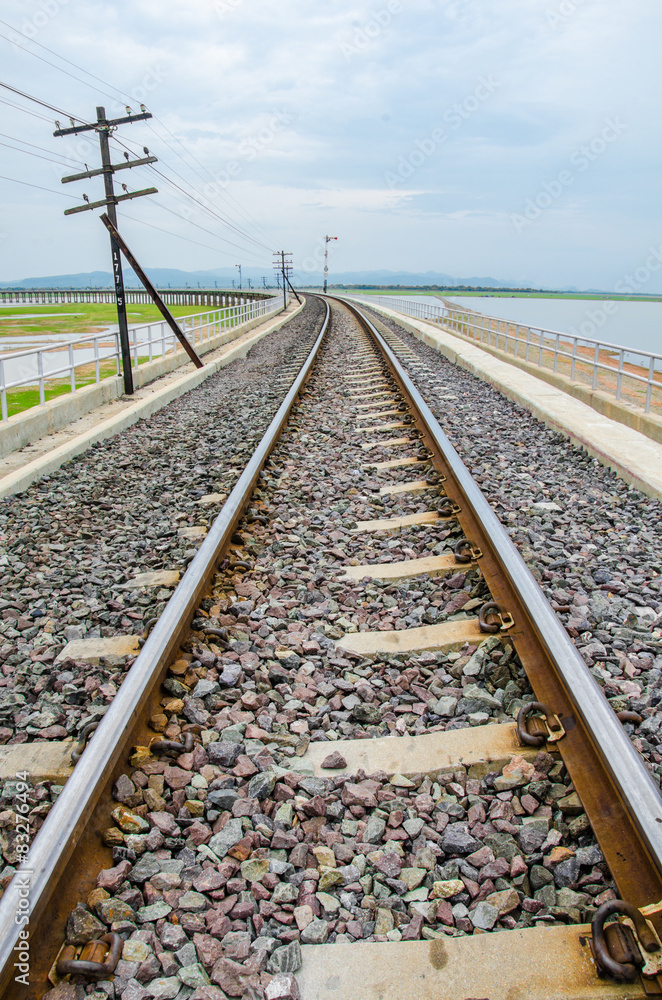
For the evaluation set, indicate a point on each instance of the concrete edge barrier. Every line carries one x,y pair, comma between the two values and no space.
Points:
608,406
429,334
30,425
22,478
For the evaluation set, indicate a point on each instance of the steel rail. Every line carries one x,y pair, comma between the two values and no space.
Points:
57,878
627,774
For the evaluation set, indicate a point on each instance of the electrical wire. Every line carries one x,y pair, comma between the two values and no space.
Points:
127,145
38,186
34,114
246,235
61,70
39,156
64,59
36,100
178,236
198,226
42,148
226,222
249,218
227,195
177,195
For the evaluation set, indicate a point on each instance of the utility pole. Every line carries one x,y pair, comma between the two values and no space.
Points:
327,240
158,301
104,127
283,265
239,266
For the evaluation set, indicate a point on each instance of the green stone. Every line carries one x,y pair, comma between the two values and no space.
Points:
399,781
328,878
254,869
194,975
153,912
285,814
412,877
571,804
193,902
330,904
418,895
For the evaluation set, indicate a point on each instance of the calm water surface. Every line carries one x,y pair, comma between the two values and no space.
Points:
635,325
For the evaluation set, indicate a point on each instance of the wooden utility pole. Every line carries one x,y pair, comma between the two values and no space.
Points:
158,301
283,265
104,127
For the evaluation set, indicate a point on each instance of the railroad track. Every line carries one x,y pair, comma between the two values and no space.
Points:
309,767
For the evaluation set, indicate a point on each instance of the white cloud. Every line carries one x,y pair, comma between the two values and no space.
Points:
218,73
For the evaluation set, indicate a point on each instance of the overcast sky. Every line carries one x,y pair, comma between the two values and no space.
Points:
514,138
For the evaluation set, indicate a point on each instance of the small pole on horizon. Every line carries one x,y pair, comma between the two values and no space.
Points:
284,267
327,240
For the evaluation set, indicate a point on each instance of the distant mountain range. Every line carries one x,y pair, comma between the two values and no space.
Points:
163,277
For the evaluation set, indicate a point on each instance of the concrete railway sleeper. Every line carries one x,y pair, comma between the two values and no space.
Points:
310,783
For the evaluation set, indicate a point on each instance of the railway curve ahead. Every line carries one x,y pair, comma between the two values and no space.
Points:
311,782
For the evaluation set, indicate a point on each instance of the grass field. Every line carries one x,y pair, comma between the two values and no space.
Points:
22,399
77,318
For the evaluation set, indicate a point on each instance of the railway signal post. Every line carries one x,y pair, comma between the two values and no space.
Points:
327,240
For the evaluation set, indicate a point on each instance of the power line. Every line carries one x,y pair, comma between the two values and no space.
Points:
38,186
237,228
178,191
206,208
39,156
42,148
197,225
169,232
58,111
250,219
247,215
64,59
36,55
34,114
225,221
226,194
178,196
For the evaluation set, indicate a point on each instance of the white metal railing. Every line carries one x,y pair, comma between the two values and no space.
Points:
584,357
39,366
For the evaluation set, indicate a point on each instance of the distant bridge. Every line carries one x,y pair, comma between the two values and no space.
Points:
212,297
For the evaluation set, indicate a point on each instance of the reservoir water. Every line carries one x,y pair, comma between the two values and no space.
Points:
635,325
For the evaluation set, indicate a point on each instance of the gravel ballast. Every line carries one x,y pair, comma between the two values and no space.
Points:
593,542
231,856
72,541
